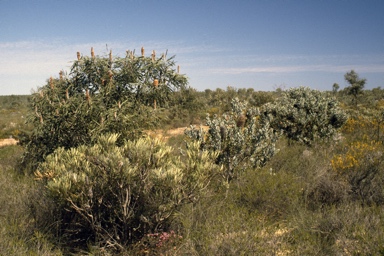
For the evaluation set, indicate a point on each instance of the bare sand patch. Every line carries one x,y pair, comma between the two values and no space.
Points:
8,142
166,134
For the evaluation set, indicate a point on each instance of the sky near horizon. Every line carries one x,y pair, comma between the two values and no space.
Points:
260,44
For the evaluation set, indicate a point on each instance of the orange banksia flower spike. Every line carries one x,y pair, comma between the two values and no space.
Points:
87,96
51,82
156,84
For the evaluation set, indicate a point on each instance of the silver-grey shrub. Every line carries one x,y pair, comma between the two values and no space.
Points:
305,115
241,138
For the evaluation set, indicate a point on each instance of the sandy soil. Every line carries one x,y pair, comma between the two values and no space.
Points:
7,142
160,134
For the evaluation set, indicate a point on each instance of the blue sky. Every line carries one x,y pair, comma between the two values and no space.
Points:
260,44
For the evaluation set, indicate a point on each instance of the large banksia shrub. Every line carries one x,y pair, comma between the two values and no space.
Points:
99,95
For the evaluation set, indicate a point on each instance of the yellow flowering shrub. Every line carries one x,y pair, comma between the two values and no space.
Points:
355,156
353,124
363,128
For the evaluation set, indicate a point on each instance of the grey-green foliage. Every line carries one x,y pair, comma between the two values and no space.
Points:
304,115
112,195
100,95
242,139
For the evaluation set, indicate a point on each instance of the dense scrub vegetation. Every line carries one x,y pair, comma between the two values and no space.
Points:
295,172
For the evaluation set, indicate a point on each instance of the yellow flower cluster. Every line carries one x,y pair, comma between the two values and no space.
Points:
354,156
353,124
380,104
364,128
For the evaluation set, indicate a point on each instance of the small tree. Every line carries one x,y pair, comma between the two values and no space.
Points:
356,85
335,88
305,115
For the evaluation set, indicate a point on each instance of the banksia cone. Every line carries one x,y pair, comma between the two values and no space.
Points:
92,53
142,51
240,122
110,74
66,94
87,97
78,55
41,119
119,104
223,132
178,69
61,75
130,54
153,55
110,56
102,81
51,82
156,84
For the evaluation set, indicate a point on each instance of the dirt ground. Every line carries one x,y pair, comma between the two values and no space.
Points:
160,134
7,142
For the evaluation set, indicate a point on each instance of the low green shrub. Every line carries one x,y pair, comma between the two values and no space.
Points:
113,196
275,195
349,229
326,189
